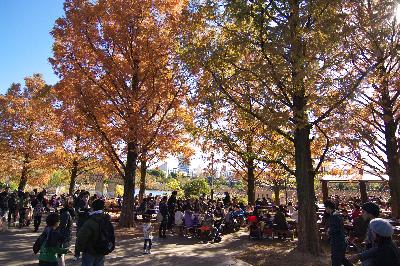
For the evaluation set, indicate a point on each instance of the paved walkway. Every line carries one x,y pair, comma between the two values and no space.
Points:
16,249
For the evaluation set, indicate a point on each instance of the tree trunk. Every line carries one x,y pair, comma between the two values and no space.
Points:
74,174
126,219
251,192
325,190
363,191
143,169
392,151
307,226
75,164
24,173
277,200
308,240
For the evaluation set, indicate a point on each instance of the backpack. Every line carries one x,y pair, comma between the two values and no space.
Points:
105,243
40,241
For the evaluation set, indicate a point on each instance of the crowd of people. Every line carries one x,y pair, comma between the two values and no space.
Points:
95,233
346,222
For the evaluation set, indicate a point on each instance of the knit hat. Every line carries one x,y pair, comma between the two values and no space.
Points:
381,227
371,208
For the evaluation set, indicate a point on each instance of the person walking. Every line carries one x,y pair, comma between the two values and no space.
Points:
96,237
82,211
50,241
65,227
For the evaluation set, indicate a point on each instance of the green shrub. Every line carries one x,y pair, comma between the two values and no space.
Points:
196,187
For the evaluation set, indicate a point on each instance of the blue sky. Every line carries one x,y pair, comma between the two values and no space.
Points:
25,41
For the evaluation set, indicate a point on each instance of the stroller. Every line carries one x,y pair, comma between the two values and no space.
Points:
218,225
254,228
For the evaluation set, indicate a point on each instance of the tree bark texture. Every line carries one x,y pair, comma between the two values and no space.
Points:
307,229
126,219
277,200
75,164
143,169
24,173
392,149
307,226
251,192
74,175
363,191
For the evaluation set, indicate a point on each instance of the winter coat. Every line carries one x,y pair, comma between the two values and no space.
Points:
89,234
65,226
336,231
51,246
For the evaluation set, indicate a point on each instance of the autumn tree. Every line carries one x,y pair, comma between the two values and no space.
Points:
234,132
291,56
28,131
374,121
78,151
116,59
172,139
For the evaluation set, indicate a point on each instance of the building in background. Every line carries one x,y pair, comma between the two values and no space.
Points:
183,165
164,167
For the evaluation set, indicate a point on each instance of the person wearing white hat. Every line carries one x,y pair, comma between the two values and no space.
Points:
384,252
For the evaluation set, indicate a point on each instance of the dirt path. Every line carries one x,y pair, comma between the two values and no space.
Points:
16,249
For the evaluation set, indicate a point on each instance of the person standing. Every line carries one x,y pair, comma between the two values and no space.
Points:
337,236
227,199
96,237
171,209
163,208
24,206
147,234
38,207
4,209
82,210
12,209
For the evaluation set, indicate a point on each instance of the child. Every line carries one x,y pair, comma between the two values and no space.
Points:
52,240
148,234
179,220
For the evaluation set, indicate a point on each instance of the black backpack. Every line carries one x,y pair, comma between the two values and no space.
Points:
105,244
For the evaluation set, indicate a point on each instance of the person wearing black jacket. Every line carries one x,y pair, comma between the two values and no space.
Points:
227,199
38,205
4,197
65,226
164,212
12,208
384,252
337,236
171,209
82,211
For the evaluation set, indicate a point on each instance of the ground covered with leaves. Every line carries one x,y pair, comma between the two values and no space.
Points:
273,253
